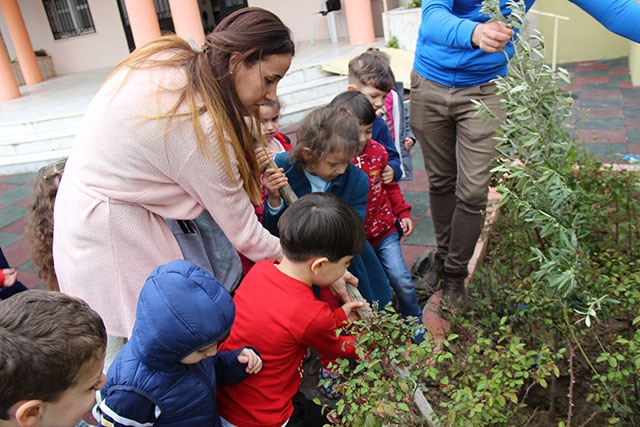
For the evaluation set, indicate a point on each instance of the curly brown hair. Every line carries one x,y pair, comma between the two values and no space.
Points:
39,226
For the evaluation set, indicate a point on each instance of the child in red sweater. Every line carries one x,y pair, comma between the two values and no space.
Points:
277,311
387,215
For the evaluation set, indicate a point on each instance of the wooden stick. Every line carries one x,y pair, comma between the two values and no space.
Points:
285,192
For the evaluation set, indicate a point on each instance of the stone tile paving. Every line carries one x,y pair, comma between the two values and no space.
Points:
607,107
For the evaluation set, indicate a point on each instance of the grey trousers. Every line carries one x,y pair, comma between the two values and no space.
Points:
457,145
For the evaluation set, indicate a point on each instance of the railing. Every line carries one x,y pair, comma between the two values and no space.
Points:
554,48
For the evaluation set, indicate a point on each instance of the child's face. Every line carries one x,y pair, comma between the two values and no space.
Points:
330,166
200,354
376,96
332,271
269,120
76,401
365,136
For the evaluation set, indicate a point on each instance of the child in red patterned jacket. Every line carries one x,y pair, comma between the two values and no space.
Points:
387,216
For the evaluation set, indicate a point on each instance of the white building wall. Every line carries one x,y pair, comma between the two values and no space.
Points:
104,48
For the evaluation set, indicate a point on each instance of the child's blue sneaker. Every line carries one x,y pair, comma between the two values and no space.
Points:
418,335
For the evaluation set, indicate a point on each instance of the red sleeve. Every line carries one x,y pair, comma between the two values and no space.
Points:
400,207
284,140
321,334
2,279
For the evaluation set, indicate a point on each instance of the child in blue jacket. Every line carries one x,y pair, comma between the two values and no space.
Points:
166,374
327,140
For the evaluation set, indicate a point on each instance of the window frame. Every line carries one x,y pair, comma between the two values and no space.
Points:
77,22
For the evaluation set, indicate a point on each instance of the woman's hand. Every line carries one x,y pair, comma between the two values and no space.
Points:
263,156
251,359
273,180
339,287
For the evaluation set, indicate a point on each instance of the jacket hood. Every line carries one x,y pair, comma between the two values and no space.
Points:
181,309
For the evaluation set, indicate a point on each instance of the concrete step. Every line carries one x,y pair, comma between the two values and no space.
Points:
46,141
26,147
31,162
299,99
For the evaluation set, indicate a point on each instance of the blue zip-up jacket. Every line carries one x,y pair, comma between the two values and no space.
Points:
444,53
352,187
181,309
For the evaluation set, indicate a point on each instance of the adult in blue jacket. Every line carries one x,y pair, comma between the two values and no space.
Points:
166,374
458,53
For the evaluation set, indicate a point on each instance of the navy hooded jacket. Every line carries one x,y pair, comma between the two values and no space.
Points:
181,309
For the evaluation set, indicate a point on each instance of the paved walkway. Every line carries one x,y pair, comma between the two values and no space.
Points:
608,120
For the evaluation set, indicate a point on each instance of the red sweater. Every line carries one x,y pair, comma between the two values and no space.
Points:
280,317
386,202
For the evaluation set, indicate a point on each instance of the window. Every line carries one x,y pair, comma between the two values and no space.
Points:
69,18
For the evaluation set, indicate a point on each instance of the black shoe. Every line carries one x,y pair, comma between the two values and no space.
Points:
453,290
434,276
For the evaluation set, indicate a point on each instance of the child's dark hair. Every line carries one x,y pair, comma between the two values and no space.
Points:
325,131
321,225
47,340
357,104
39,226
372,68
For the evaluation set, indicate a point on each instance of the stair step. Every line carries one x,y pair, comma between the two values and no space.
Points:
30,162
25,131
293,114
55,140
310,91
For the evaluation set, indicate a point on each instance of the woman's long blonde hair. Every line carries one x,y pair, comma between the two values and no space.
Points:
252,32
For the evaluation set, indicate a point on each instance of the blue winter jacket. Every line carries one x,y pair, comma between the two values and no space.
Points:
444,53
181,309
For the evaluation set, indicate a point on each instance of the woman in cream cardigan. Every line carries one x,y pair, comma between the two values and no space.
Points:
167,136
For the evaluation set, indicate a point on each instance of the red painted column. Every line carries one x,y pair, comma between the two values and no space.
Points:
143,20
8,86
186,20
359,21
21,41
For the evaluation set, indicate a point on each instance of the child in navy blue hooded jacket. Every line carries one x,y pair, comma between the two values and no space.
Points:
166,374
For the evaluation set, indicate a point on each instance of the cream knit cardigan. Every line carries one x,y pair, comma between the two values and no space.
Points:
125,173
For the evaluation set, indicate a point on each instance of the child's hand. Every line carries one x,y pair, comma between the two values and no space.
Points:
263,156
387,175
273,181
350,309
251,359
407,226
10,276
409,143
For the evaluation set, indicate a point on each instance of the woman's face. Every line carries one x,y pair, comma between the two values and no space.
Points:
257,82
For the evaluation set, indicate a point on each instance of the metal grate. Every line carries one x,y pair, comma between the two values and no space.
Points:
69,18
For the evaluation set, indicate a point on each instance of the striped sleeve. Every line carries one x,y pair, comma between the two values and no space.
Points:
127,408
